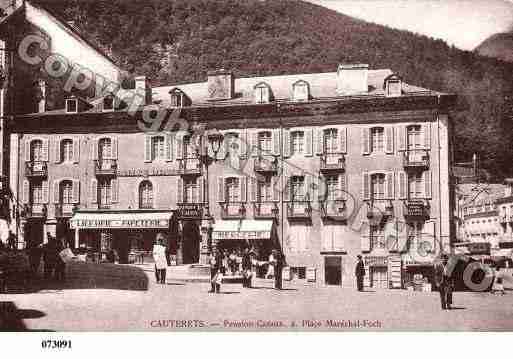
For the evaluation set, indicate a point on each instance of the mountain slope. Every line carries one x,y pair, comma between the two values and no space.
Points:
499,46
175,41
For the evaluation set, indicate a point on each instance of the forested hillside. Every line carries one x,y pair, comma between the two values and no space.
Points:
175,41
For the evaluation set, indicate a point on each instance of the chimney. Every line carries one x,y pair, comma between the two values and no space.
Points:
352,78
221,85
142,85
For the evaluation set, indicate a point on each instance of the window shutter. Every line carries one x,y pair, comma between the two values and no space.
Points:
390,185
342,186
44,191
76,191
253,189
147,148
276,142
427,183
365,141
114,185
114,153
401,138
201,190
243,188
56,196
403,185
426,129
389,140
56,150
243,140
319,141
402,235
286,143
276,189
342,132
179,146
76,150
221,155
45,150
308,142
94,190
365,238
254,143
27,150
220,189
366,186
179,189
26,191
169,148
94,148
308,193
286,190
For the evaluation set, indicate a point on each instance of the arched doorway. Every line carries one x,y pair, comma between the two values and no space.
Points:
191,239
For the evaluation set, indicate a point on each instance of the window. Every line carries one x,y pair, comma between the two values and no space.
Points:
67,150
331,187
232,190
104,193
393,88
300,91
262,93
297,187
36,150
146,195
415,188
330,141
378,186
377,238
104,148
232,142
178,98
157,148
265,192
297,140
377,139
36,193
189,148
414,137
66,192
108,103
72,105
191,191
264,141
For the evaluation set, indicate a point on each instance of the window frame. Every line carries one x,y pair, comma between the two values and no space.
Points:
67,107
297,142
377,139
146,195
158,154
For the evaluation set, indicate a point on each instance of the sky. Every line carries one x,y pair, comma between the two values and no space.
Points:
462,23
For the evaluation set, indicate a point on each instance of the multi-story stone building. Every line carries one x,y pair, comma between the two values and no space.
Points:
321,166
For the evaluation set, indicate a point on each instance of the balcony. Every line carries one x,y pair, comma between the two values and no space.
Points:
265,165
332,162
64,210
416,210
266,209
333,209
189,166
233,210
299,210
105,167
35,210
416,160
36,169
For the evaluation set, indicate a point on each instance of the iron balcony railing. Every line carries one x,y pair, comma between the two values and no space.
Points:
416,159
233,210
334,209
189,166
64,210
265,164
35,210
105,167
36,169
299,209
416,209
265,209
332,162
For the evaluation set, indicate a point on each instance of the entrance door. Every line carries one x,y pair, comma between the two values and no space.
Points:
191,239
34,233
333,270
379,277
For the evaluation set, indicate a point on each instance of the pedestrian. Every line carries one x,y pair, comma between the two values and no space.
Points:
498,286
444,282
11,240
359,273
216,275
270,265
246,269
238,259
224,263
34,254
49,256
279,260
159,256
233,262
60,264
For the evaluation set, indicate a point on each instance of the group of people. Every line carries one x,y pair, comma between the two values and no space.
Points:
54,264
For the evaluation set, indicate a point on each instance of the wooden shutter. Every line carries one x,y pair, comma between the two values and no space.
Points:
94,190
147,148
308,187
253,189
286,143
114,152
179,145
201,190
276,188
26,191
169,148
342,133
366,186
426,179
44,191
76,191
114,187
254,143
365,238
365,140
389,139
403,185
308,142
45,150
56,150
179,189
94,148
426,132
243,188
76,150
243,140
390,185
275,141
319,141
342,186
220,189
27,150
286,190
56,196
401,138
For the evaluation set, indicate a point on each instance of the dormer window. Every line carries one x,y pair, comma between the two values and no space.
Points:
178,98
108,103
262,93
71,105
301,91
393,86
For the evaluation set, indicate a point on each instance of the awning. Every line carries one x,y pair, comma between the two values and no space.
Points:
244,229
121,220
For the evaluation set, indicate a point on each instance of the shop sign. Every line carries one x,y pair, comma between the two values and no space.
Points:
479,248
241,235
506,245
120,223
140,172
375,261
190,211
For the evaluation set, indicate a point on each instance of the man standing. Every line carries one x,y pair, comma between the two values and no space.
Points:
359,273
246,269
278,260
215,266
444,281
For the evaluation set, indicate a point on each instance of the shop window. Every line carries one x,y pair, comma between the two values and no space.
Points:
297,142
330,140
67,150
157,148
36,150
377,139
145,195
378,186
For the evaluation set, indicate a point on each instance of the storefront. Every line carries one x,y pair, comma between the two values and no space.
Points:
377,271
130,234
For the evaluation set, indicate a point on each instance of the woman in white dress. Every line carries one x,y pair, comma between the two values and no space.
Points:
159,256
